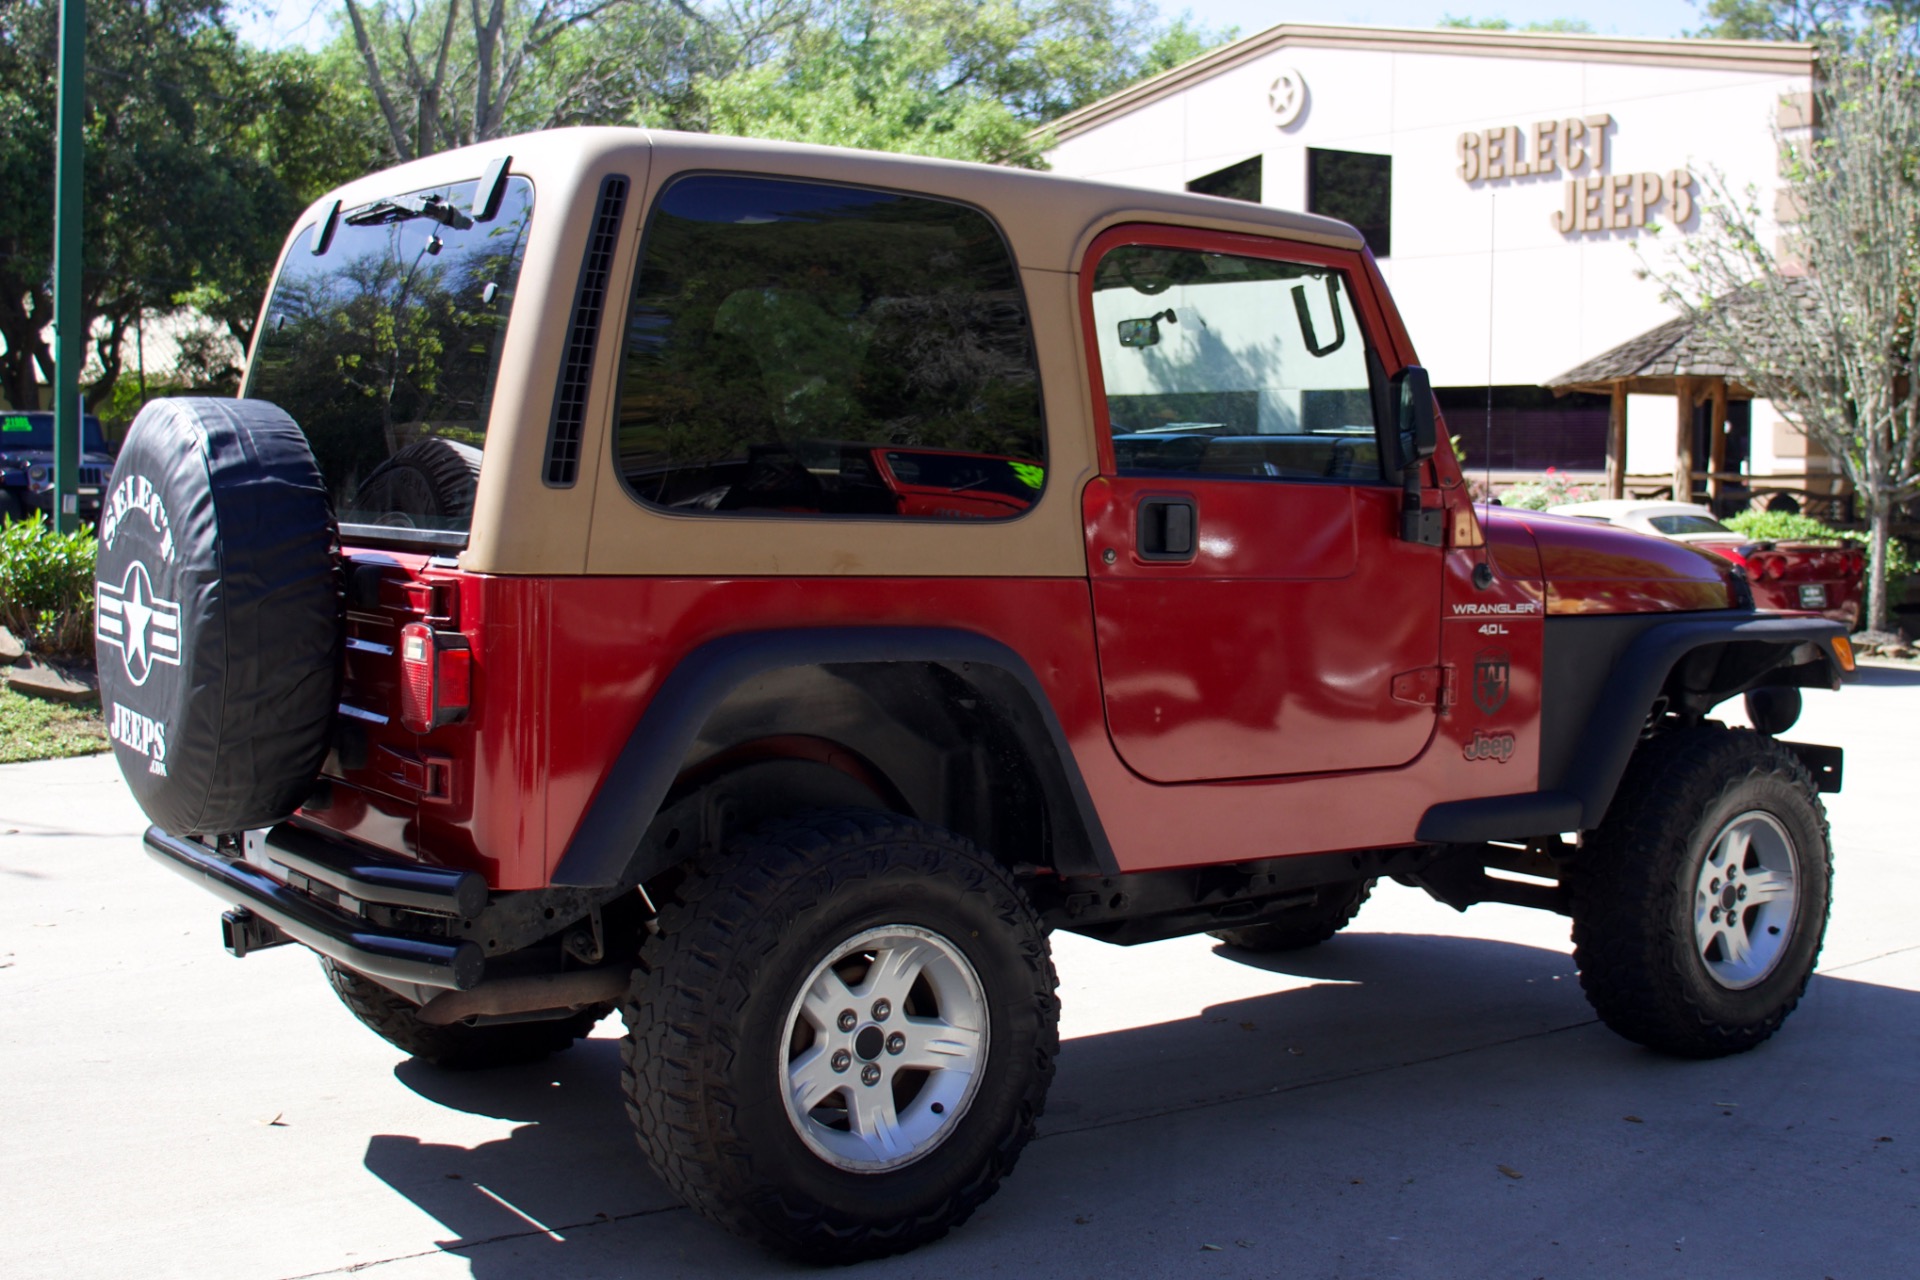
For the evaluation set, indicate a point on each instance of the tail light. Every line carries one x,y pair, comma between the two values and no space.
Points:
436,677
1770,568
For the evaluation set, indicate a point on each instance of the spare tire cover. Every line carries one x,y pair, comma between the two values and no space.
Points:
218,622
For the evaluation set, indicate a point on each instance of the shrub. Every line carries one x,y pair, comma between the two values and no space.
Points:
1780,526
46,586
1550,490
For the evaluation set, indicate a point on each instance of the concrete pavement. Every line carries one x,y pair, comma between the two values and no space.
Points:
1428,1095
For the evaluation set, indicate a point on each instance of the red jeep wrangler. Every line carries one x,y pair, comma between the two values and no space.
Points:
765,589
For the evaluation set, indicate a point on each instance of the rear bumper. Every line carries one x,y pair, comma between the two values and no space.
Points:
338,934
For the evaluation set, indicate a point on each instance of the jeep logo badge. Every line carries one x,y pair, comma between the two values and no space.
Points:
1491,672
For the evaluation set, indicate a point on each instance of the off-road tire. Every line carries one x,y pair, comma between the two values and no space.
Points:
1632,892
456,1047
738,937
1307,925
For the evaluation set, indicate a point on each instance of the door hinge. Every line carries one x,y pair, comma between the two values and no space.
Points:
1425,687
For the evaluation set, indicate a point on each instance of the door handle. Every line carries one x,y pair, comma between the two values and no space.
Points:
1167,529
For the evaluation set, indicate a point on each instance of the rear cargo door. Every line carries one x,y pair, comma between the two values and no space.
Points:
1257,614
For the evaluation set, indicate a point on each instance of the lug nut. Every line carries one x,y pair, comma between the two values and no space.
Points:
848,1020
896,1043
1743,893
881,1010
1714,887
841,1060
1714,914
869,1074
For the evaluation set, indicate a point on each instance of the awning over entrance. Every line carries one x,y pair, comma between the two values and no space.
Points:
1675,359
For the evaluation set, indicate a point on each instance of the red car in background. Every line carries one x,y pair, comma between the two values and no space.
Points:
1787,577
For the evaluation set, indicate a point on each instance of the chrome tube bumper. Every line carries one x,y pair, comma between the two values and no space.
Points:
350,939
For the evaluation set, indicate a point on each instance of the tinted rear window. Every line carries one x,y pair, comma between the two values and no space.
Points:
385,348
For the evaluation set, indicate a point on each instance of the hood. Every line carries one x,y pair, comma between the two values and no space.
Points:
1591,567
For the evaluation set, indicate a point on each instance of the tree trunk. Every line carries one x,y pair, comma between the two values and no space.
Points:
1879,615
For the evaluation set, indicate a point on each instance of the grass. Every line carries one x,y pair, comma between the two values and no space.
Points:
35,729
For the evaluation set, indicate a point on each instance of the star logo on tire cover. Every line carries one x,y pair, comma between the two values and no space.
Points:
144,628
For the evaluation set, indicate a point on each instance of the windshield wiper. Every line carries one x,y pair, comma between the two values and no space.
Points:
407,208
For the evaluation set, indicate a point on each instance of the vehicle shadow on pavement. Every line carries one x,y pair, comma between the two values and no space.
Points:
570,1164
1431,1054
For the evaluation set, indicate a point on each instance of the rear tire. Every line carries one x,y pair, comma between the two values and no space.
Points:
842,1034
1700,904
456,1047
1305,926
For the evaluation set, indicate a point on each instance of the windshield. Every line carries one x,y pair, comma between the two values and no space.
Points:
25,431
384,349
1680,526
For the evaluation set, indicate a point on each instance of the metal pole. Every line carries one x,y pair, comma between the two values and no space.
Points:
69,339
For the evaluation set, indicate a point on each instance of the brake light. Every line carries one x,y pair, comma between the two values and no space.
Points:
436,677
1772,568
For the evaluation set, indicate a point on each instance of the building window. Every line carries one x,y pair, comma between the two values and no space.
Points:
800,348
1235,182
1529,428
1354,187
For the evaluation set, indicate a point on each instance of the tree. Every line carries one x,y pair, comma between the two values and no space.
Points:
1795,19
968,79
199,153
448,73
1824,324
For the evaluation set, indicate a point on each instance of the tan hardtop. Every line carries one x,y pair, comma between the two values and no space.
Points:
522,526
1047,217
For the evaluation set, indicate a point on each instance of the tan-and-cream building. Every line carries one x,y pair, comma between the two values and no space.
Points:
1511,185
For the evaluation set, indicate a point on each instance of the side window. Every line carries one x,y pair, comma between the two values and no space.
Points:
799,348
1233,366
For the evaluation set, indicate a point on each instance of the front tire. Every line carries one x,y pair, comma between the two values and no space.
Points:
1700,904
841,1035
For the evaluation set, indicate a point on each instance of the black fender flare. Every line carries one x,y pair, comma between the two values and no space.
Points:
1583,762
607,846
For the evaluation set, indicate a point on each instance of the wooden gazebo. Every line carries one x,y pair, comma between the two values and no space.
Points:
1675,359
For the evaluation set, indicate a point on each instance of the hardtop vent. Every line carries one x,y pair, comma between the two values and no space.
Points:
589,301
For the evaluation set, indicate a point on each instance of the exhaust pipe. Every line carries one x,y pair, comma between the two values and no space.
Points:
537,993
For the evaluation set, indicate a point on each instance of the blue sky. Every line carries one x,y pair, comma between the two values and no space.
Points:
277,22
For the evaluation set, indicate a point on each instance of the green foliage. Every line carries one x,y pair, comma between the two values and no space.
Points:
1550,490
965,79
35,729
1796,19
46,586
1560,26
1782,526
199,153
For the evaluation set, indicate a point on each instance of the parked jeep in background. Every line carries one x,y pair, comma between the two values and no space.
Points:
766,589
26,465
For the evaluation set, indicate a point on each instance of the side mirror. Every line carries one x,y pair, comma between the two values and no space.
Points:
1415,436
1414,425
